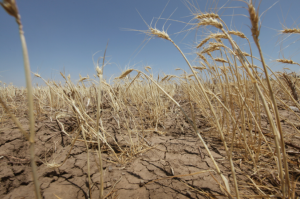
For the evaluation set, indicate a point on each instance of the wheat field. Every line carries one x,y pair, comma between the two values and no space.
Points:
225,128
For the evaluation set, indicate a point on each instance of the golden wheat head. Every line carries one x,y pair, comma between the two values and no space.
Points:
202,57
10,7
291,31
124,74
199,67
237,33
99,71
287,61
160,34
254,18
211,22
208,15
221,60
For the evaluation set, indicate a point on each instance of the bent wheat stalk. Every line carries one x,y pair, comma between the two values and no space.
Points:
100,75
255,33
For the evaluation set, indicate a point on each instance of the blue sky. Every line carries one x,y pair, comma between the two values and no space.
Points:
62,35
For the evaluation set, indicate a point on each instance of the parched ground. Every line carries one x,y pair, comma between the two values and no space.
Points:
168,156
176,165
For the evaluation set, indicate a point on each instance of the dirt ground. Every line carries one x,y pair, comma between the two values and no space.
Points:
171,153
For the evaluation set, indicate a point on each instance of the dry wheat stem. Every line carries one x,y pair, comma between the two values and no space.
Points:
100,75
88,160
135,78
10,7
254,21
229,153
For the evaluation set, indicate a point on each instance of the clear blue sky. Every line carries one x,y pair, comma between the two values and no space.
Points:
64,34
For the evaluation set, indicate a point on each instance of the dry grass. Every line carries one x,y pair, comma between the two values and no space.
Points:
235,100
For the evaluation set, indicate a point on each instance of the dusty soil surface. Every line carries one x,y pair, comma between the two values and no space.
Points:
168,156
175,165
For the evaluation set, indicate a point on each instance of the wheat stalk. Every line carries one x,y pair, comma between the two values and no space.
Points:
254,18
99,101
10,7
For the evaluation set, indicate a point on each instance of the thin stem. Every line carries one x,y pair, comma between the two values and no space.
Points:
88,161
98,140
277,120
30,112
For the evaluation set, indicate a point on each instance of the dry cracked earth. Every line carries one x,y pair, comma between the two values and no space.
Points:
169,156
176,165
